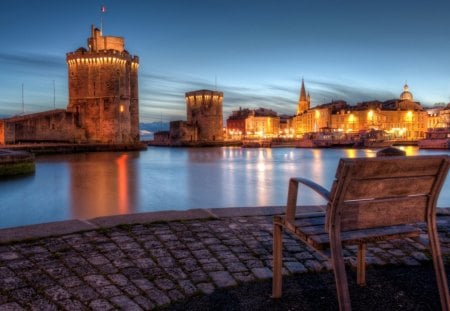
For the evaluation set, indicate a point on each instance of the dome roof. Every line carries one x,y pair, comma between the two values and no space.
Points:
406,94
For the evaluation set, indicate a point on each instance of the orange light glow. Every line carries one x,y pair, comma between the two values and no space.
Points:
122,184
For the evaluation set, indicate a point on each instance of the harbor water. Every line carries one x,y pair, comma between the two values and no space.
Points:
88,185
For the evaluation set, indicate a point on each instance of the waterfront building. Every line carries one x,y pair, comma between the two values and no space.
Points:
236,124
439,116
403,118
262,123
103,102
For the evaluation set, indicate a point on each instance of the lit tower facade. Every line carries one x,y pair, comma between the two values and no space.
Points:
204,111
103,90
304,100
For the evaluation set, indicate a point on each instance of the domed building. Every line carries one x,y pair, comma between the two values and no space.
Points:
406,94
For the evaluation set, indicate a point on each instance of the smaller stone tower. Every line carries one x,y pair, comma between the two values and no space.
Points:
103,90
304,101
204,110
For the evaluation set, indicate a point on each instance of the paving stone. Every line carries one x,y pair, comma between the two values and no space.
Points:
144,302
262,273
19,264
254,263
303,255
84,293
58,272
295,267
11,282
198,276
410,261
130,290
164,284
98,260
119,279
144,263
125,303
107,269
9,256
176,273
144,284
72,305
132,273
57,293
244,277
396,252
24,294
96,280
37,278
84,270
6,272
175,295
122,263
166,261
234,266
313,265
222,279
206,288
12,306
180,254
420,256
108,291
187,287
100,305
158,297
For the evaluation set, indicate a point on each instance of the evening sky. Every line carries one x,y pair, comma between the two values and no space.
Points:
255,51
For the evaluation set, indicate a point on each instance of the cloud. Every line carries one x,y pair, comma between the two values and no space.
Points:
325,91
164,94
28,60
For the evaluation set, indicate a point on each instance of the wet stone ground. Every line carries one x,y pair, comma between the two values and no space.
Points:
142,267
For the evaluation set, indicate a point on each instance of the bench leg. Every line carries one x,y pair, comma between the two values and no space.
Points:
438,265
361,265
277,261
340,276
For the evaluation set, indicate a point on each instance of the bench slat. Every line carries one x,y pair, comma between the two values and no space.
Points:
387,212
390,187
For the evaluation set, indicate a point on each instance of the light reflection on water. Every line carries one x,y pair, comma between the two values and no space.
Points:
83,186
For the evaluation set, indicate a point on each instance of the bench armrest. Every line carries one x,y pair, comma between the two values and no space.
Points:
293,192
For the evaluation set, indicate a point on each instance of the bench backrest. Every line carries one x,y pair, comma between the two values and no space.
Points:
387,191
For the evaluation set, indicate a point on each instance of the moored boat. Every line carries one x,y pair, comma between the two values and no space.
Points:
438,138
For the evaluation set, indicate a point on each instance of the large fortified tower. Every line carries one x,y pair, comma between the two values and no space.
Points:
204,111
103,90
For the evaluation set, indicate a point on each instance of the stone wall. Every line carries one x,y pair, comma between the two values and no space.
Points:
54,126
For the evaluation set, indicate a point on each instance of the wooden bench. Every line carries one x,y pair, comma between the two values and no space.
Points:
371,199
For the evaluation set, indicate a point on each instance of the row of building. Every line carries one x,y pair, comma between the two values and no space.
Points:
401,119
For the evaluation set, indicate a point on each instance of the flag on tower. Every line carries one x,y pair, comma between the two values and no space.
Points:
103,9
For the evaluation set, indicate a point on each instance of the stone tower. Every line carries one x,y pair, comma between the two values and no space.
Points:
103,90
304,101
204,110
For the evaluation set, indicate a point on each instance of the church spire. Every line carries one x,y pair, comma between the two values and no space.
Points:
303,92
304,100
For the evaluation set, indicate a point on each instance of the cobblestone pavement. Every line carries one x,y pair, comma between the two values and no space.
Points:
141,267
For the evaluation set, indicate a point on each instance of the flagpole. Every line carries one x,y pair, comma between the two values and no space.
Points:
102,10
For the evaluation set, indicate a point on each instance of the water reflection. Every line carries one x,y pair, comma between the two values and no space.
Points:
103,184
97,184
